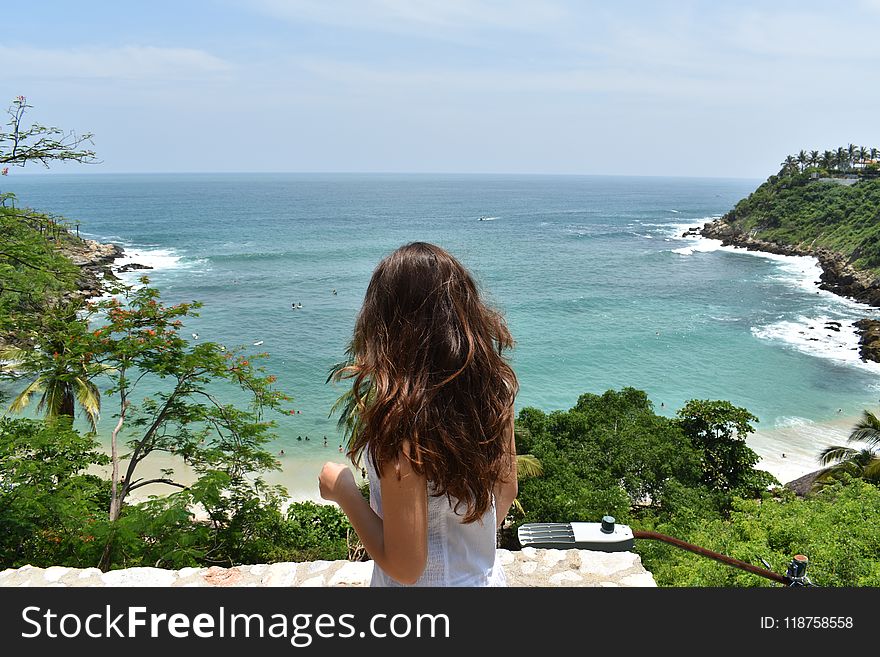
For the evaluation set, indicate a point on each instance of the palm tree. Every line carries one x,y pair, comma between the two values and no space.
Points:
789,166
840,158
827,160
851,152
802,159
863,155
57,368
59,385
863,463
873,153
814,158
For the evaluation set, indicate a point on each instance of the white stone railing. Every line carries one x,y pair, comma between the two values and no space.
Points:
527,567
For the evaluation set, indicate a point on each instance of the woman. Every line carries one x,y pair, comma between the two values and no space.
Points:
436,428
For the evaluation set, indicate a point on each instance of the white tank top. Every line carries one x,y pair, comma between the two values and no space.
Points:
458,554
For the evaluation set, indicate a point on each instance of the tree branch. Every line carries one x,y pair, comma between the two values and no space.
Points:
140,483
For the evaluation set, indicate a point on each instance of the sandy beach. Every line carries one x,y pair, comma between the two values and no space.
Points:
299,476
801,442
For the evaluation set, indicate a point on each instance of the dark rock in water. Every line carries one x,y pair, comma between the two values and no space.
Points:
832,328
131,267
813,339
94,260
869,339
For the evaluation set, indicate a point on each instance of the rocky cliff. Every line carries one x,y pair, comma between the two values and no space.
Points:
838,274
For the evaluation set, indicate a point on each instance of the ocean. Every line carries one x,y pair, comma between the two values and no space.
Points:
599,288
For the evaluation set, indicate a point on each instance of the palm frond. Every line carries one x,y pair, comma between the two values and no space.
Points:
24,397
867,430
89,398
14,354
52,401
836,454
528,465
871,472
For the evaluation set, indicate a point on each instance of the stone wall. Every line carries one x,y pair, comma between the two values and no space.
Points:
527,567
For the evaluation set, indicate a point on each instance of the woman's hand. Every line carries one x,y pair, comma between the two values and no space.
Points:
336,481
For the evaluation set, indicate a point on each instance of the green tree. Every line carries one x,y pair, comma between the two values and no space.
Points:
789,166
33,272
827,160
841,159
50,509
37,143
609,454
718,430
140,345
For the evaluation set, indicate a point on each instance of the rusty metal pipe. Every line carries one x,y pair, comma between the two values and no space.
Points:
730,561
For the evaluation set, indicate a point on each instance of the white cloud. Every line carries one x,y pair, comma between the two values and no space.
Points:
126,63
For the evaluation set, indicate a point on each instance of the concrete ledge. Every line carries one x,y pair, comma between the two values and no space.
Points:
527,567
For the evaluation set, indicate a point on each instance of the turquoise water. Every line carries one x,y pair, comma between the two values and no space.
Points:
599,289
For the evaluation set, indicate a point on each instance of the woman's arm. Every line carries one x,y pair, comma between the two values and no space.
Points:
397,542
506,489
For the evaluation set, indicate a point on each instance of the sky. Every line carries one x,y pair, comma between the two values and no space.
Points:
718,89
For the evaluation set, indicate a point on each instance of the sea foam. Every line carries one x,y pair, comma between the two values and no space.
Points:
811,335
807,335
157,259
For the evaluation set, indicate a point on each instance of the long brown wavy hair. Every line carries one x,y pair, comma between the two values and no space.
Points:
428,368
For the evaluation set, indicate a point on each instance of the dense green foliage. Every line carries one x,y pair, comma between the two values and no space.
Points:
836,529
48,505
53,513
611,454
693,478
849,160
32,269
798,210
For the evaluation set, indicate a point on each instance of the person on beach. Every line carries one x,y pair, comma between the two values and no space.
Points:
436,427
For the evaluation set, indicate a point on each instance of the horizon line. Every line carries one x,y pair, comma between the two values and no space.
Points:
381,173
